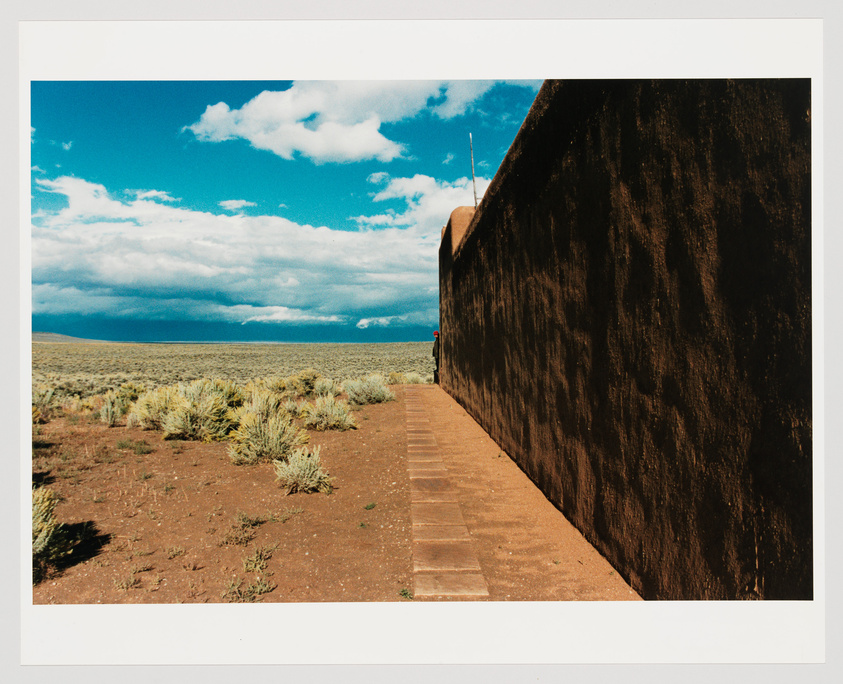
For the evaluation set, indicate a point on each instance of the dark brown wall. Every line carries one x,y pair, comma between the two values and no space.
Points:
629,316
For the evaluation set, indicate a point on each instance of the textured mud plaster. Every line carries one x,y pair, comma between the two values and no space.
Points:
628,314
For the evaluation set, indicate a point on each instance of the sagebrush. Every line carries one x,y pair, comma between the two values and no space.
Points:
50,541
329,413
303,472
259,439
327,387
369,390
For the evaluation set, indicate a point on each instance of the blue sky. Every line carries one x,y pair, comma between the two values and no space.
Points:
254,210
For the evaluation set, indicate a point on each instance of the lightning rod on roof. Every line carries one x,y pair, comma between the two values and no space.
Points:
473,182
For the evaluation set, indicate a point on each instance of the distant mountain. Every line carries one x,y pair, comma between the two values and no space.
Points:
55,337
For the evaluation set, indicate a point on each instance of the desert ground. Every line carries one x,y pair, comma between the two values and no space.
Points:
182,511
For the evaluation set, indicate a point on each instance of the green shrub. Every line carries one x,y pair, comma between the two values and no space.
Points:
326,387
395,378
113,406
303,410
130,391
260,401
370,390
72,405
260,439
302,472
152,407
50,541
308,378
43,399
413,379
329,413
294,387
207,419
198,410
232,394
79,406
199,390
276,384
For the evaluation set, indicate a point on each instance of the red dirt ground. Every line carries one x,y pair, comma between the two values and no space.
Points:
156,523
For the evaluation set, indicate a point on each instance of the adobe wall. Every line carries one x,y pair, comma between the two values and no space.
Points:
629,316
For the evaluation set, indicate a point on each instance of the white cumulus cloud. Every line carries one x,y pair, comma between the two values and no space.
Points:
381,321
234,205
335,121
287,315
429,202
154,195
147,258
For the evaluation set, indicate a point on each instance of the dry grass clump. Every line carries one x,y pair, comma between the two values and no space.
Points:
293,387
243,529
258,559
263,419
236,593
302,472
329,413
369,390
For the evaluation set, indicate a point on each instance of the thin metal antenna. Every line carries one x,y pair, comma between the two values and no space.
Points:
473,182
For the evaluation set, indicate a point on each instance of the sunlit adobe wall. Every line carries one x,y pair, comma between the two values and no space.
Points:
628,314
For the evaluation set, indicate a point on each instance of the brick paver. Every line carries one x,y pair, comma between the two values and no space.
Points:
444,560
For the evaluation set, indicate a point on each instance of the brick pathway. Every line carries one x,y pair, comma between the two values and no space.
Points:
481,529
444,560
